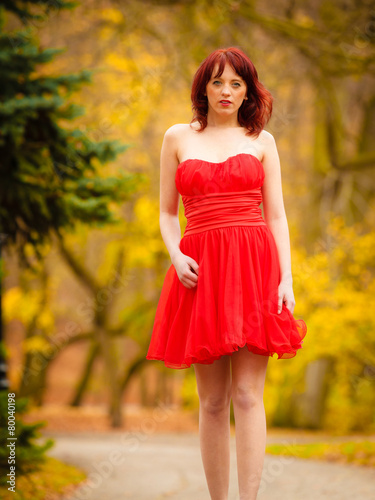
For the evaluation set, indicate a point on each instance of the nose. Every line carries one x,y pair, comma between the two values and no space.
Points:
225,90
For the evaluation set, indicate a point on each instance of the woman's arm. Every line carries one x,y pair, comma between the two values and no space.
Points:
169,197
275,217
169,201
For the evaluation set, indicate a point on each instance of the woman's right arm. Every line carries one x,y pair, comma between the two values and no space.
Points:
169,203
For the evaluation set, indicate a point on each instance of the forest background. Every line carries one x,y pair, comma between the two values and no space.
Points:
77,323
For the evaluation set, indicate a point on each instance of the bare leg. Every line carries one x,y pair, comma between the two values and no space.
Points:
248,378
214,390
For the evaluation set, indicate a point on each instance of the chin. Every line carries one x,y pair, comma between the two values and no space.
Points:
227,110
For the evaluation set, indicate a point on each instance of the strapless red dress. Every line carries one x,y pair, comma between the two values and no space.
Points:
234,303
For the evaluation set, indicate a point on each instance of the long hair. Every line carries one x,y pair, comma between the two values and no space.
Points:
254,112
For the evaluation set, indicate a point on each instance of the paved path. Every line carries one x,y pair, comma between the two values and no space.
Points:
147,466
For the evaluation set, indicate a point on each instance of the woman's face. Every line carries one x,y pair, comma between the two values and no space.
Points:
225,93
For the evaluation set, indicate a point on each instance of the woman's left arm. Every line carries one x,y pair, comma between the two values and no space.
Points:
275,218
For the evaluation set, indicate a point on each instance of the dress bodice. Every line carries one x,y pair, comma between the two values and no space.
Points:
237,173
221,194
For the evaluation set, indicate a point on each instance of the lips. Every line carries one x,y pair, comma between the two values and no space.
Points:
225,102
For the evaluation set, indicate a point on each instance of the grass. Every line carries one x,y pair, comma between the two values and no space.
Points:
53,479
359,453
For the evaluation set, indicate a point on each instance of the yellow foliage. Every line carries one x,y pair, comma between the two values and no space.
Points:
335,294
146,241
113,15
36,343
11,303
17,306
26,307
45,320
147,213
53,479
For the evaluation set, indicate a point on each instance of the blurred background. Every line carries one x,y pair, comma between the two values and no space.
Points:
87,92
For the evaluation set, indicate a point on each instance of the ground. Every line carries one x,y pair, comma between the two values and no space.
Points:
156,455
151,466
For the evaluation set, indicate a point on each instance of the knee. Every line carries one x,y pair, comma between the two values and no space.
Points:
215,405
246,398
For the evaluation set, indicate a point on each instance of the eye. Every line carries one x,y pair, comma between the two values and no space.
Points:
216,81
237,84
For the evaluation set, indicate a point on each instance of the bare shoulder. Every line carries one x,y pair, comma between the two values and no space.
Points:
171,139
268,145
170,151
177,130
267,139
175,137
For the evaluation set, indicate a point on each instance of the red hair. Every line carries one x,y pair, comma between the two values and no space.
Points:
254,112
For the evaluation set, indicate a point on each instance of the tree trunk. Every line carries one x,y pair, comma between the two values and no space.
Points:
109,355
309,407
93,352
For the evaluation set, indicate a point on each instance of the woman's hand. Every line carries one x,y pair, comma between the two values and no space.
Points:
286,295
186,269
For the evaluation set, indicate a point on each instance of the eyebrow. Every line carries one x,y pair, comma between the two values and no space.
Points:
233,79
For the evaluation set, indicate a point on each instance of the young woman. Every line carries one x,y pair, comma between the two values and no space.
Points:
227,300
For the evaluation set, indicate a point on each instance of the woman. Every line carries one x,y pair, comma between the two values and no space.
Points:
227,301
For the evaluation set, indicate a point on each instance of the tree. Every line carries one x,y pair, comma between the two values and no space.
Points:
49,171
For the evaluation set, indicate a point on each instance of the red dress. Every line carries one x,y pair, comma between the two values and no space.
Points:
234,302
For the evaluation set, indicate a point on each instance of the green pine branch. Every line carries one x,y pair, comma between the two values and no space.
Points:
51,178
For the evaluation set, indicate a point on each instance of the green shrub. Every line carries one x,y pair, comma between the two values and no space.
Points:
29,455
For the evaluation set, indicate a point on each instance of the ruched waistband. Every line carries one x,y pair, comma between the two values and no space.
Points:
215,210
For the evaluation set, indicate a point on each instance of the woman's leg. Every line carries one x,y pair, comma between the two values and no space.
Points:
214,391
248,378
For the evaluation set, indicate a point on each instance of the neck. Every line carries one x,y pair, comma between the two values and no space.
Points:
220,121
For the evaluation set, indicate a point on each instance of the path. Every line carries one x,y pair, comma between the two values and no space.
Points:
147,466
